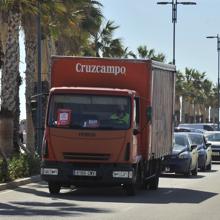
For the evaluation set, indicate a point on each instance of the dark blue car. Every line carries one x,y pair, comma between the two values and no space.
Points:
184,157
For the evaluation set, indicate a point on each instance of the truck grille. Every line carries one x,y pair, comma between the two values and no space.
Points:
85,156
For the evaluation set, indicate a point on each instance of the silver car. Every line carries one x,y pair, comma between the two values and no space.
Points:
213,137
204,151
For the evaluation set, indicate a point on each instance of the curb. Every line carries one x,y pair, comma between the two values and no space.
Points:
19,182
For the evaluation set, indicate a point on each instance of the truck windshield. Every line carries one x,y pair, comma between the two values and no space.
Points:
89,112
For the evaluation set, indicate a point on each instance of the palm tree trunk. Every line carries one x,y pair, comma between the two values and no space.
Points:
30,51
4,29
10,71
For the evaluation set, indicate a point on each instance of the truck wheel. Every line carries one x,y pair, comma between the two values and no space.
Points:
154,182
130,189
54,188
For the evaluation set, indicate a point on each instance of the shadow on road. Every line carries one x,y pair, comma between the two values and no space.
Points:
117,194
60,209
66,203
181,176
161,196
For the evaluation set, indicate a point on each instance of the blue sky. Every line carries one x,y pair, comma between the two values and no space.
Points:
143,22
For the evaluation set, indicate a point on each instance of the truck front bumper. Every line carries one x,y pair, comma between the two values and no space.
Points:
82,174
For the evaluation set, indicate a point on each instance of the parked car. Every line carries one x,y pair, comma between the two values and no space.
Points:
184,157
213,137
204,151
185,129
203,126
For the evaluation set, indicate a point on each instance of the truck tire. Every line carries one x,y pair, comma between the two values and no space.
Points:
54,188
130,189
154,182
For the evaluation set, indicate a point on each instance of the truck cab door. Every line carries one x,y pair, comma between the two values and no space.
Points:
136,125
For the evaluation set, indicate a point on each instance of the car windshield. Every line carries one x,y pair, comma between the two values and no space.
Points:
89,112
178,147
180,140
196,139
213,137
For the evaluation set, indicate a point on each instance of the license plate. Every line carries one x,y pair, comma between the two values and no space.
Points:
84,173
215,153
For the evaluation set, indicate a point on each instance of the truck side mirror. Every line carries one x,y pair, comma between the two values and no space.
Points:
149,113
136,132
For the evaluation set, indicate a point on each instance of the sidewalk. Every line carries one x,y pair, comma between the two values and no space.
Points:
19,182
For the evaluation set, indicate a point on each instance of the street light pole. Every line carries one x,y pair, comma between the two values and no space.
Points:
174,20
174,4
218,50
39,83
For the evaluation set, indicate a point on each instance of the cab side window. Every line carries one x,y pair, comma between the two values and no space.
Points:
137,112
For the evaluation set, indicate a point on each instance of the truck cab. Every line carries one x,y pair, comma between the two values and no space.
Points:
87,141
84,140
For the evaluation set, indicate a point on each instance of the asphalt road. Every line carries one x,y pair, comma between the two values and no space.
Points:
177,198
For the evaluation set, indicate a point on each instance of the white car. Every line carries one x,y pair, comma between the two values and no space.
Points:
213,137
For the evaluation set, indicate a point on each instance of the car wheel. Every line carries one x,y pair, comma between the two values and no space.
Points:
203,167
209,166
187,174
195,171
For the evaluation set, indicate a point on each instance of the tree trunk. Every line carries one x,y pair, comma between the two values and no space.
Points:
6,135
10,71
30,59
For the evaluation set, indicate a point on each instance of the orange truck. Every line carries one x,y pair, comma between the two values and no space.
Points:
86,143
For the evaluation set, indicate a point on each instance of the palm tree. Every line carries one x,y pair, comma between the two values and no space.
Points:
72,30
10,69
105,44
128,53
144,53
208,94
213,101
179,90
30,33
12,9
3,35
197,91
61,26
113,49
